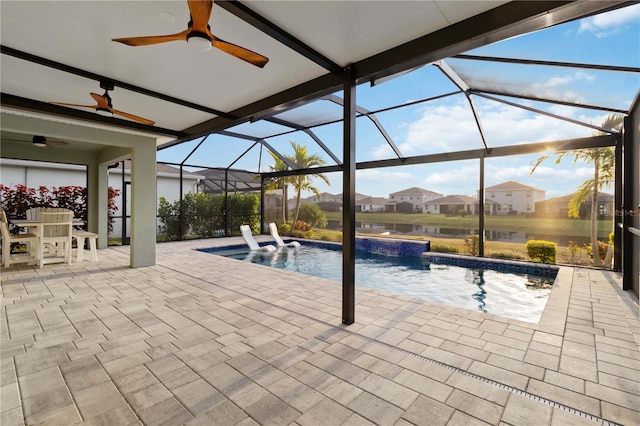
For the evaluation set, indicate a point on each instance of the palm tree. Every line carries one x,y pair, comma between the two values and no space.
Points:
302,160
279,182
603,160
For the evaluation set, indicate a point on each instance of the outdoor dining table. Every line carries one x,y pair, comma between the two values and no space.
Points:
37,226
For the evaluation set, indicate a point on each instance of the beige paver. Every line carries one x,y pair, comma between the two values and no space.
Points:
199,340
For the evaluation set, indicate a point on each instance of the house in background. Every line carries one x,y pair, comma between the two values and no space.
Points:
326,201
513,197
452,205
558,207
371,205
36,173
393,206
415,196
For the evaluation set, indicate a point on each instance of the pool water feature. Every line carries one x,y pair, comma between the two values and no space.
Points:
513,295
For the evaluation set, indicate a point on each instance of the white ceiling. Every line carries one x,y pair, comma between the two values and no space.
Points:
78,34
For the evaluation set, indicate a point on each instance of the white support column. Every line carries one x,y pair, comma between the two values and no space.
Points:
101,218
143,205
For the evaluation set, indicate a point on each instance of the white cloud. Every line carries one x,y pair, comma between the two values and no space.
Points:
606,24
544,176
441,128
453,128
462,180
381,182
376,175
556,87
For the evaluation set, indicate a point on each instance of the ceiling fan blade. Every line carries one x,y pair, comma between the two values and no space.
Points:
133,117
101,100
200,14
56,143
143,41
240,52
75,105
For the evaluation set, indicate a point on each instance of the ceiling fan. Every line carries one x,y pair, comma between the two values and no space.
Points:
198,34
42,142
105,106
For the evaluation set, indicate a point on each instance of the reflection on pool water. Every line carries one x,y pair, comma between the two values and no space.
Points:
512,295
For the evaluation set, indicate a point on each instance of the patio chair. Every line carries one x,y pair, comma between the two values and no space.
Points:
56,232
30,240
34,213
276,236
251,242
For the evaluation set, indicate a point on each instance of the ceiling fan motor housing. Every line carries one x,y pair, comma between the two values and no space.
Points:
40,141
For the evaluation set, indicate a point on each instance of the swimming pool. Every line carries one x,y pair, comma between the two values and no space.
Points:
512,295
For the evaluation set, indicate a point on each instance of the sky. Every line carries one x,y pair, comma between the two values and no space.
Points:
447,124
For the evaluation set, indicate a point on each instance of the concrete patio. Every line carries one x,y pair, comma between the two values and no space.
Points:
199,339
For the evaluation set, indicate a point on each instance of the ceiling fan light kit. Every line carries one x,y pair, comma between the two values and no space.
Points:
40,141
199,42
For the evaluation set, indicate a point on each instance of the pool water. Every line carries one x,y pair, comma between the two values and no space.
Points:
512,295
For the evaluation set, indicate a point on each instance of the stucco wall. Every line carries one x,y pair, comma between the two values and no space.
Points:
31,174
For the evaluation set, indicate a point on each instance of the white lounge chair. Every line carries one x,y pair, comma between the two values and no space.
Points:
251,242
274,233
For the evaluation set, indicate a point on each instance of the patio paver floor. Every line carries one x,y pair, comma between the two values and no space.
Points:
201,339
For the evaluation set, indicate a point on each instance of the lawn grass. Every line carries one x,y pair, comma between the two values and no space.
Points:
542,226
497,249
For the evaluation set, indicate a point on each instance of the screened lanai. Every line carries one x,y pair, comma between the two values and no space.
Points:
435,89
459,103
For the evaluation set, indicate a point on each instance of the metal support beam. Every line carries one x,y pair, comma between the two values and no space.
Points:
549,63
618,204
473,154
12,101
349,199
277,33
364,112
486,92
261,204
308,132
117,83
181,219
630,198
481,232
226,203
548,114
504,21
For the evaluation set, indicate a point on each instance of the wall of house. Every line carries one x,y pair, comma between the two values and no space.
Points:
371,208
18,172
520,201
416,199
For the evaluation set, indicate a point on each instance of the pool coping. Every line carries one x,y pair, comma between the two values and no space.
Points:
542,269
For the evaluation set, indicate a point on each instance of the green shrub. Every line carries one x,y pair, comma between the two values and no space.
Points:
542,251
284,229
169,215
204,215
443,248
311,213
